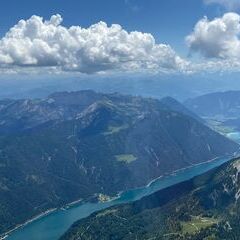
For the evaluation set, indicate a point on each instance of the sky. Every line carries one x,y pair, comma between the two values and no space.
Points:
168,20
121,36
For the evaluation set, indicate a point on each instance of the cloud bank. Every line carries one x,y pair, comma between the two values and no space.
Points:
47,47
39,43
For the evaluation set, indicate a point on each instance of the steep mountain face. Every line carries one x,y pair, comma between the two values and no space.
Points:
74,145
206,207
178,107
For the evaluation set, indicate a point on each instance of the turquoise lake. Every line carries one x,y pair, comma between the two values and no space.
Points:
52,226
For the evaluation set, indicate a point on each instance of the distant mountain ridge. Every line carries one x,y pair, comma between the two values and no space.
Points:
73,145
222,107
220,104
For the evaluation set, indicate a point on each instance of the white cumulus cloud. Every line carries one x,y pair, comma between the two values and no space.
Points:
39,43
218,38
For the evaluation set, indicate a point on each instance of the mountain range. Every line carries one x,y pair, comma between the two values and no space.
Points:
74,145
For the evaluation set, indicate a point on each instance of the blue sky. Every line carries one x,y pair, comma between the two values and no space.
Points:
168,21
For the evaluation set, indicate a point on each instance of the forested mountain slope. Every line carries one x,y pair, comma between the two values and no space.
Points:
73,145
206,207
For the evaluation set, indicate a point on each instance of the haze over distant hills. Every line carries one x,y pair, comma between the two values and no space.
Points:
220,106
72,145
180,87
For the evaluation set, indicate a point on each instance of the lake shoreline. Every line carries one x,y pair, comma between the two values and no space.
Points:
40,215
182,169
118,195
